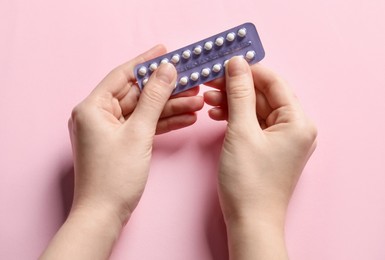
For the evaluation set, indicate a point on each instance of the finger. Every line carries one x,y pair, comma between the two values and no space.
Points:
218,113
240,92
218,83
155,95
176,122
129,101
188,93
119,80
70,129
128,67
215,98
262,105
182,105
219,99
275,89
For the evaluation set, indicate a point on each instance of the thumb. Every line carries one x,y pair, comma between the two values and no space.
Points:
155,95
240,92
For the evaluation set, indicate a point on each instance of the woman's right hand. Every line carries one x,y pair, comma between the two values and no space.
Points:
267,144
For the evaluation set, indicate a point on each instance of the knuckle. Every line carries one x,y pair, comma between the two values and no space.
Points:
79,113
118,75
239,90
76,112
275,80
306,132
70,124
156,92
173,108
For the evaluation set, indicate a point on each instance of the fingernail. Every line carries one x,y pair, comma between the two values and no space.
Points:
237,66
166,73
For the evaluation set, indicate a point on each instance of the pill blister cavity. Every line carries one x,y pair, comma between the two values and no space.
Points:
153,66
219,41
194,76
144,82
175,58
217,67
208,45
242,32
186,54
198,50
250,55
206,60
142,71
230,37
205,72
183,81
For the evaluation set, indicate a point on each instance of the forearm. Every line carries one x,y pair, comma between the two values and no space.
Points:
252,239
86,234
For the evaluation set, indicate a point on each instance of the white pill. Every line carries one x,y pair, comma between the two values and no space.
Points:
242,32
230,37
250,55
219,41
153,66
194,76
217,67
175,58
225,63
186,54
142,71
198,50
183,80
208,45
164,61
144,82
205,72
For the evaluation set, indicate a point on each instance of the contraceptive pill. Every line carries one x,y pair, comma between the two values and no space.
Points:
230,36
219,41
197,50
142,71
153,66
194,76
208,45
206,60
183,81
186,54
175,58
217,67
205,72
242,32
250,55
145,80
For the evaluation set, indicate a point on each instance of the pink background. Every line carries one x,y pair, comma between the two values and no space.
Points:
52,53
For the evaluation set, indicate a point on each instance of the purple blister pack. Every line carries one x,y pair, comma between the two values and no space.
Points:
205,60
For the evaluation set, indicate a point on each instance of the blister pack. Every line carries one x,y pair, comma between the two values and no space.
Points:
205,60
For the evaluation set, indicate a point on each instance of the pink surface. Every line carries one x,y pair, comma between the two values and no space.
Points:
52,53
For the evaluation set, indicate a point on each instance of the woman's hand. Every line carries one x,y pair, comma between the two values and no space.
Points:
112,134
267,144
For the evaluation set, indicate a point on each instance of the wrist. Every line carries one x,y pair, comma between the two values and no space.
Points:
272,214
255,237
97,219
257,222
88,233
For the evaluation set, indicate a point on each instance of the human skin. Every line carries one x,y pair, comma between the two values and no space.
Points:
112,133
268,141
